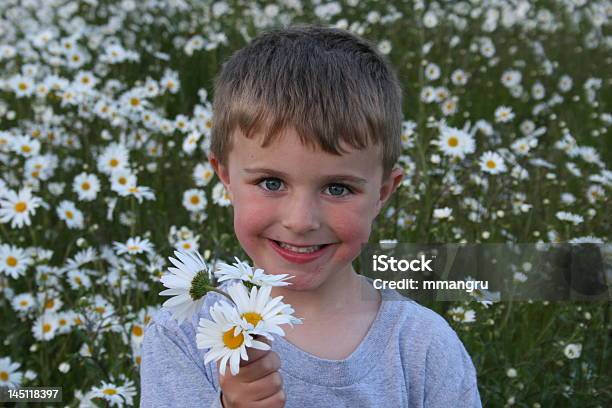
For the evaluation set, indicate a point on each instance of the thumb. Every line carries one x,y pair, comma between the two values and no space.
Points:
255,354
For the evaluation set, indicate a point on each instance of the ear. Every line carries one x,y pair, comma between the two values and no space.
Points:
221,171
388,186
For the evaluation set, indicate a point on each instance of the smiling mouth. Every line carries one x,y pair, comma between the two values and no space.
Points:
300,249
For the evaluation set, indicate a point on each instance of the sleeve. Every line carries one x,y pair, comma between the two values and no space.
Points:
450,376
170,374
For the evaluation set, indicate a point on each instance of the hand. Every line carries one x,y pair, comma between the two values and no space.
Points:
258,384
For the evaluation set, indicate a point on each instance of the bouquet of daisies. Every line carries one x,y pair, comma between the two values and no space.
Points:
248,312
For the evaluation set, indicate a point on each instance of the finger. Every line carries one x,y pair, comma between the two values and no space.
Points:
255,354
267,364
274,401
264,387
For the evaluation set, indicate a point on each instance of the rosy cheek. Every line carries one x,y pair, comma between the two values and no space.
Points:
249,219
351,227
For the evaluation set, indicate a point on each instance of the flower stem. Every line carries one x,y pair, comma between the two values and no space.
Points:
213,289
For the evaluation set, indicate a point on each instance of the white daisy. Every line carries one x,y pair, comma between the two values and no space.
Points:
137,333
115,395
114,157
568,216
68,212
441,213
78,279
133,246
459,77
188,283
22,86
86,186
511,78
244,272
595,193
17,207
9,376
202,174
572,350
504,114
432,71
64,322
220,195
140,192
23,303
186,245
492,163
45,327
459,314
455,142
194,200
227,338
122,180
14,261
259,310
589,239
25,146
522,145
50,301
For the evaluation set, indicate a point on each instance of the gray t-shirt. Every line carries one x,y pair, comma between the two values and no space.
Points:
410,357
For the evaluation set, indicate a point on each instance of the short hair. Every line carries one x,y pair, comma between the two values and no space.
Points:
327,83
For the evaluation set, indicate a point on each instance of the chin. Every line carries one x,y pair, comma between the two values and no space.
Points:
303,281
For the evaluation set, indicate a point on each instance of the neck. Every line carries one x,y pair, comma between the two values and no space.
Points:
338,293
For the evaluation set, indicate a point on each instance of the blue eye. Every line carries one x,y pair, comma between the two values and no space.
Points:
338,188
272,184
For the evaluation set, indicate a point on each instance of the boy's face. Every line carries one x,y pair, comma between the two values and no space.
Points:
289,193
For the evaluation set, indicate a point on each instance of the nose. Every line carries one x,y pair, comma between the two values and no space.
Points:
301,214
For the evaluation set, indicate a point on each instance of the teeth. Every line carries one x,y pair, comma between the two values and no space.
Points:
301,250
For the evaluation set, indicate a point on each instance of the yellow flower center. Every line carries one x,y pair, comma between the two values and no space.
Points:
137,331
114,162
21,206
122,180
491,164
23,303
134,101
50,303
195,199
11,261
231,341
453,141
69,214
133,248
187,245
85,186
46,328
252,317
109,391
100,309
78,280
4,376
26,149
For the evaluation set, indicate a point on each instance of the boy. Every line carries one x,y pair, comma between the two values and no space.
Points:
306,133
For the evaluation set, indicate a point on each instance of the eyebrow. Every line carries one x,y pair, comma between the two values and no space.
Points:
333,177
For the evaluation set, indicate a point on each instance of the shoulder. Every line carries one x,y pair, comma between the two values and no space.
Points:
435,362
426,338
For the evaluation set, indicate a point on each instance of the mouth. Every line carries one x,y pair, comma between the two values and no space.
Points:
299,253
301,249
